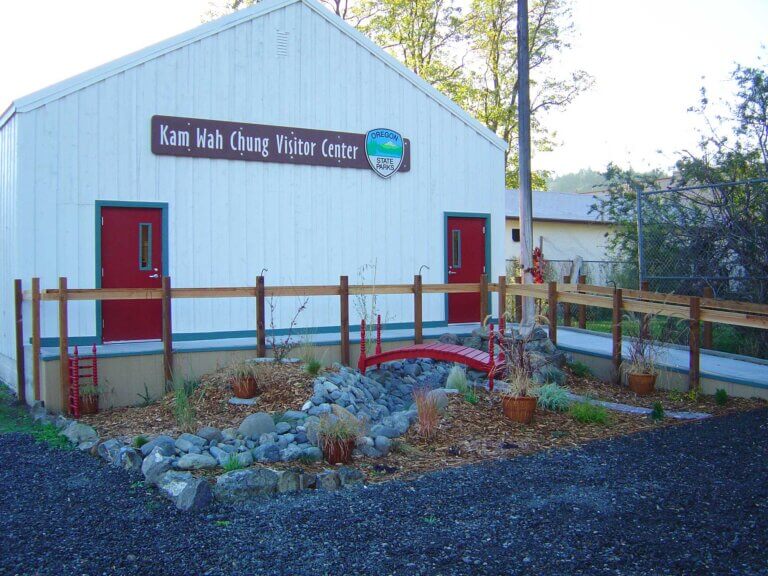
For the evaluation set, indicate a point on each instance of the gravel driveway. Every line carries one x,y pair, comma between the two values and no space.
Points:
689,499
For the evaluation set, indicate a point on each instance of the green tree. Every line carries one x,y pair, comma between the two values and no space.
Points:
585,180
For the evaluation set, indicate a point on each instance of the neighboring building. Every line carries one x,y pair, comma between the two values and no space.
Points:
563,227
275,138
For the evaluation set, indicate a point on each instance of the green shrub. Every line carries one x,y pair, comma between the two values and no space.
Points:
721,397
553,397
457,378
580,370
313,367
587,413
139,441
657,414
232,463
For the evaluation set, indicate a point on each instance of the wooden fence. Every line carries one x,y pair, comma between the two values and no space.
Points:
695,309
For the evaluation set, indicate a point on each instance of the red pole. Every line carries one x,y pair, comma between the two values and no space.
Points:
378,334
74,391
361,361
492,360
95,367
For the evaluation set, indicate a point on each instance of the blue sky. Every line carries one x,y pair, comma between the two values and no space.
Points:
648,59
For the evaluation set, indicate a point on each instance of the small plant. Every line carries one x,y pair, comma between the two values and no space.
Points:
427,410
282,346
232,463
430,519
313,367
222,523
675,396
337,437
139,441
457,378
243,377
402,447
588,413
553,397
183,411
657,414
89,390
580,370
721,397
470,395
692,395
146,398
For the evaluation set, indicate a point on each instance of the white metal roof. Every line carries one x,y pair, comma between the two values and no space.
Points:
565,206
65,87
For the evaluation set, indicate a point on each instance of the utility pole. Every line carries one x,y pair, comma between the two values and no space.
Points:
524,154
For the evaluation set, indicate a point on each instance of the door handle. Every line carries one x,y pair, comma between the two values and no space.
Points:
451,272
154,275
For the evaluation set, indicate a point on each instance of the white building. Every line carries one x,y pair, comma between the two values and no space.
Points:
236,147
564,227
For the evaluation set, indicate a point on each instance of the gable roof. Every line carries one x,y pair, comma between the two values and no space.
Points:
75,83
555,206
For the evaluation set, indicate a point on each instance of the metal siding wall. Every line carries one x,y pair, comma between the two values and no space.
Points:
9,163
228,220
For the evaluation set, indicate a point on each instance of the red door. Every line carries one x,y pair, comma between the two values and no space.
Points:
131,257
466,263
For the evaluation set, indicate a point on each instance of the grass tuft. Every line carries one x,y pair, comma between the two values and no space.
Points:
553,397
428,414
721,397
580,370
657,414
232,463
587,413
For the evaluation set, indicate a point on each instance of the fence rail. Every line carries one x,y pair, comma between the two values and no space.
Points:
700,312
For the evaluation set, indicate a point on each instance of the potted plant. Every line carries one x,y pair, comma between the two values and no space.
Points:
518,400
337,437
243,381
89,399
640,365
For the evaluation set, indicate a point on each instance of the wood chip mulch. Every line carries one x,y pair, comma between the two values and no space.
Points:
283,387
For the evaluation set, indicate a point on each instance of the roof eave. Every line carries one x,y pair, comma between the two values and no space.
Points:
8,114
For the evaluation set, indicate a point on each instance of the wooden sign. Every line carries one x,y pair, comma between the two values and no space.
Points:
198,138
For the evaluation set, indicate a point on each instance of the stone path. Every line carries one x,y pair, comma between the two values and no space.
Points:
638,409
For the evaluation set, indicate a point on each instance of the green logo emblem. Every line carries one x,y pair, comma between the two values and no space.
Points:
384,150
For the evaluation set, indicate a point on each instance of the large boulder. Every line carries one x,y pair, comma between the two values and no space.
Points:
195,496
168,444
241,485
196,462
129,459
79,433
267,453
109,450
350,476
156,464
328,480
171,483
255,425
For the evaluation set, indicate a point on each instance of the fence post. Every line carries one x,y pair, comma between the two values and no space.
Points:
616,331
518,303
21,377
552,304
706,327
645,327
63,346
502,304
36,337
261,337
693,343
344,324
567,305
582,307
483,297
167,332
418,337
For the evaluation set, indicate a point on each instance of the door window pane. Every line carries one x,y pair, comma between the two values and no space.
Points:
145,246
456,248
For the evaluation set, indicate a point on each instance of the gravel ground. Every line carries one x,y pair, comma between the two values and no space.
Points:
689,499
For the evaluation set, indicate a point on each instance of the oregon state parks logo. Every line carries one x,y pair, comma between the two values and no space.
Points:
384,150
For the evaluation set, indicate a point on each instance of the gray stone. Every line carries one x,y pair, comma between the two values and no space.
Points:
235,401
412,370
195,496
229,433
323,408
282,427
38,412
186,441
129,459
60,422
155,464
301,437
291,453
474,342
167,442
210,433
78,433
285,439
294,415
196,462
109,449
257,424
170,484
312,425
549,373
350,476
307,405
312,453
328,480
89,446
383,444
370,452
270,438
195,450
241,485
289,481
244,458
267,453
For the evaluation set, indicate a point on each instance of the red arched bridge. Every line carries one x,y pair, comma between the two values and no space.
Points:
476,359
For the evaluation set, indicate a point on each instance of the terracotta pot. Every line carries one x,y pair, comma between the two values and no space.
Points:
89,404
641,384
519,409
244,387
338,451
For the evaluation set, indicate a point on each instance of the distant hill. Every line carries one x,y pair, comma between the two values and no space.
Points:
585,180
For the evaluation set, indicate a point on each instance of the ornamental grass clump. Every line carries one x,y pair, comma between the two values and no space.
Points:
587,413
233,463
428,412
553,397
337,437
457,378
183,411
